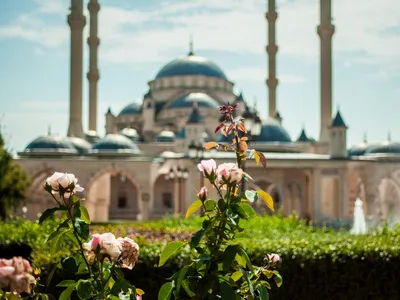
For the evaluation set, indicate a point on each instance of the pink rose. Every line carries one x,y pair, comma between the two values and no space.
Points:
229,171
207,166
203,193
138,297
6,274
273,257
96,241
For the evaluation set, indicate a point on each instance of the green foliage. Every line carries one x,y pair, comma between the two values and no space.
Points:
219,267
317,263
13,182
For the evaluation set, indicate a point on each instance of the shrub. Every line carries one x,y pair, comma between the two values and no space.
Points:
316,263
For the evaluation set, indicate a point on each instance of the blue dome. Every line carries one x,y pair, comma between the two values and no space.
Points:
81,145
51,143
165,136
133,108
271,132
359,149
191,65
115,143
387,147
188,100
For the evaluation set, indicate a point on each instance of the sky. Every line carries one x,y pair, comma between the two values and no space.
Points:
139,37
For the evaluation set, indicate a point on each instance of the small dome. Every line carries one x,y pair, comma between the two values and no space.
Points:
115,143
81,145
271,132
92,136
131,109
191,65
51,144
165,136
359,149
129,132
386,147
189,100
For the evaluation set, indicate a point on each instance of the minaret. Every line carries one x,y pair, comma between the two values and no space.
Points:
93,74
76,21
272,49
325,31
191,51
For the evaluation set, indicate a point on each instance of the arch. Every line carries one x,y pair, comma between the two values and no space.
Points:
389,200
37,198
113,194
165,196
294,199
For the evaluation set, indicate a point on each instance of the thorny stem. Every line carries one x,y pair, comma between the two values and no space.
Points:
78,240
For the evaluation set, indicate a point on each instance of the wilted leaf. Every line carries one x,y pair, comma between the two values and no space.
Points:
241,128
262,159
257,157
210,145
219,127
267,199
193,208
243,146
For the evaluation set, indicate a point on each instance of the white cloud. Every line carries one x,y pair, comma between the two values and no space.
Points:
225,25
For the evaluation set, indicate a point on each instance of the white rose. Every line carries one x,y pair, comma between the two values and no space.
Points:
63,180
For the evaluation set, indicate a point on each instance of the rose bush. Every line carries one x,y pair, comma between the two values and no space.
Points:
16,276
220,267
96,262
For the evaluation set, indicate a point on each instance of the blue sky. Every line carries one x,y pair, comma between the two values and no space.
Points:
139,37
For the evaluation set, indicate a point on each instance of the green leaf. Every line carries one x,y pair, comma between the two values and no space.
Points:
181,276
84,289
168,251
210,205
84,214
66,283
66,294
227,292
243,253
47,213
278,280
247,278
251,195
240,260
56,242
222,205
262,292
81,228
236,276
267,199
249,211
193,208
195,240
69,264
229,256
166,291
186,287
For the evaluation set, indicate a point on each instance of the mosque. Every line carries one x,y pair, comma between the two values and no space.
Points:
145,165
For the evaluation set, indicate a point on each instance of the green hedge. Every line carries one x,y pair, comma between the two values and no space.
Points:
316,263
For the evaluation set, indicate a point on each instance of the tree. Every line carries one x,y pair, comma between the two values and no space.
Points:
13,182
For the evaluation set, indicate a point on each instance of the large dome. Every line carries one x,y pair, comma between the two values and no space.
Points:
385,148
133,108
188,100
51,144
191,65
271,132
115,143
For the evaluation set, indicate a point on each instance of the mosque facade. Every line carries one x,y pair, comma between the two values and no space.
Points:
145,165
